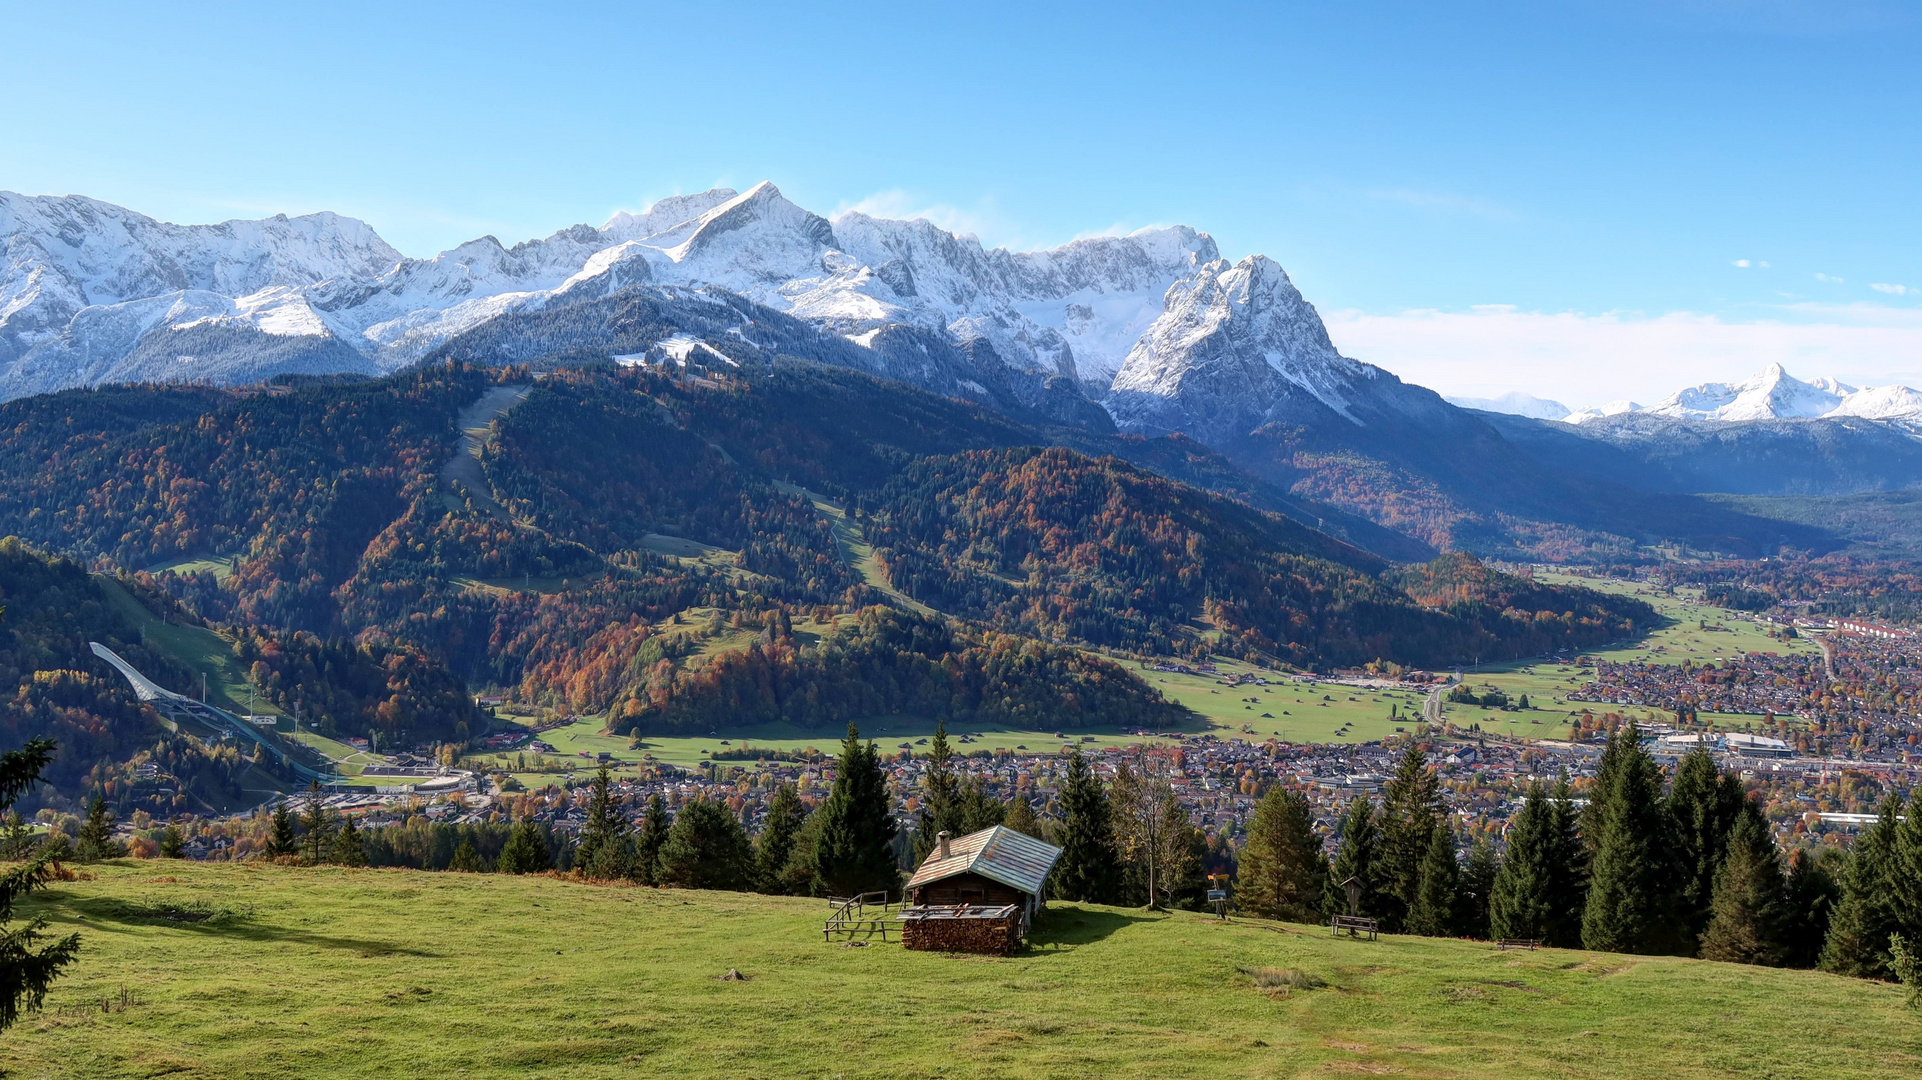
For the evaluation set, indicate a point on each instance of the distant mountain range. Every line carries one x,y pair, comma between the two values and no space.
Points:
1773,394
1148,335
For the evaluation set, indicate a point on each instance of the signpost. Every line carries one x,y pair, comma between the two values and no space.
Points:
1218,893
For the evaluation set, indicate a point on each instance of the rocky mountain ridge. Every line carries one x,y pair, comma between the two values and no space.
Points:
92,293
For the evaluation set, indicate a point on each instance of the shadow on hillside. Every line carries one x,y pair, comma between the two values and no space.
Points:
1063,928
111,915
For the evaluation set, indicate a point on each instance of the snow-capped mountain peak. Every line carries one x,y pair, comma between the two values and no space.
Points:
91,292
1773,394
1236,345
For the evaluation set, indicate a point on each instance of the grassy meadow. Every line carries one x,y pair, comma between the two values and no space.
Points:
210,970
1695,631
1321,712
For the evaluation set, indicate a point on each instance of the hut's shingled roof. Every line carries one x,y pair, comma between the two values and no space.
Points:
1014,859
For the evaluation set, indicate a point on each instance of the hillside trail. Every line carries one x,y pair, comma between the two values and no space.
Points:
855,549
476,424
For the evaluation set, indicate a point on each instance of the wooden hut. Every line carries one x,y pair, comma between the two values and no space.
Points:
978,893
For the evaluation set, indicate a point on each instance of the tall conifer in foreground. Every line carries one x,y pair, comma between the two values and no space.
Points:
27,967
1020,817
707,849
281,839
1477,883
1593,815
526,850
1745,925
1089,868
1357,856
1521,903
95,841
1629,907
1869,911
854,851
647,843
939,791
1411,813
775,846
319,825
1809,896
1569,872
347,848
1434,913
1282,872
1705,804
604,851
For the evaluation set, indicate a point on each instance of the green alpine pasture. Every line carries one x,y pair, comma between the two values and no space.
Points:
235,971
1695,631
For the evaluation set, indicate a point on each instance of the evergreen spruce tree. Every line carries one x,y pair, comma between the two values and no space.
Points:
1433,913
1745,926
173,845
974,810
1908,871
647,845
96,834
1809,896
939,790
775,846
854,850
1410,815
466,860
1521,903
1870,908
347,848
1282,872
604,852
1357,856
797,879
707,849
319,825
282,840
1478,881
1020,817
1705,804
1630,909
1568,876
17,841
1089,868
526,850
1594,814
28,961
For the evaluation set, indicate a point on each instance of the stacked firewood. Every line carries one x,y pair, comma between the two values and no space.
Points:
986,936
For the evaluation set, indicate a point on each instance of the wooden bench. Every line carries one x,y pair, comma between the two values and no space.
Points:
1356,925
1519,943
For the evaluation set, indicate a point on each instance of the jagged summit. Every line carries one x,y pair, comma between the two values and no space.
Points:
93,292
1773,394
1235,347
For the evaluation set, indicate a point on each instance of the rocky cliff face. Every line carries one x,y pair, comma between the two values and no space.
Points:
94,293
1237,347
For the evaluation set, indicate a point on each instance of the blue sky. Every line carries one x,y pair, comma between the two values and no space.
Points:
1553,196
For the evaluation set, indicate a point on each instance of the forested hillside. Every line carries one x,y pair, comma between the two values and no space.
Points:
1057,545
613,504
55,687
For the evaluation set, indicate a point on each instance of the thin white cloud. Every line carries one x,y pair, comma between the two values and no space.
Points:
1584,359
1829,278
1743,263
1892,290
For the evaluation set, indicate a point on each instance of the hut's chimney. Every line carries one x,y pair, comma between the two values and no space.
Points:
941,846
